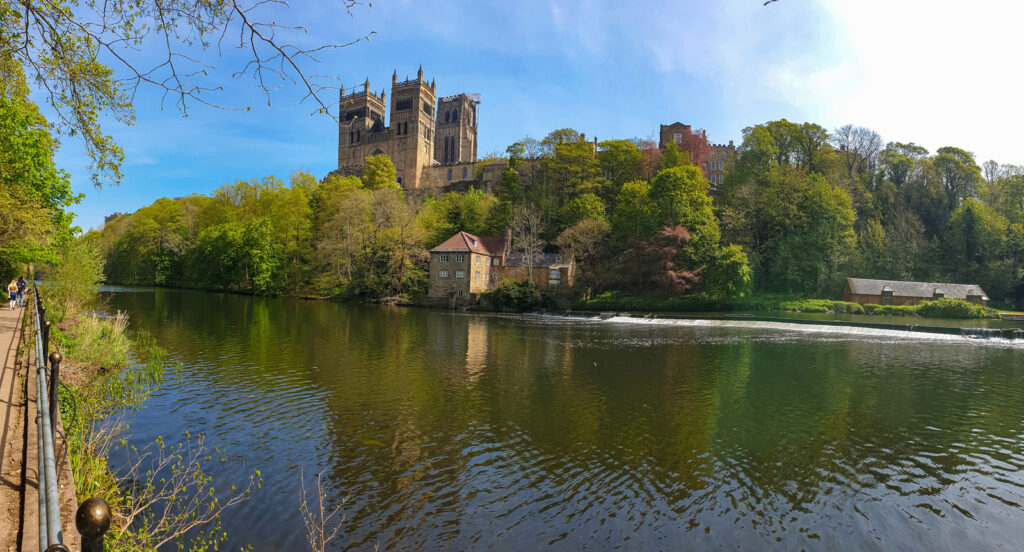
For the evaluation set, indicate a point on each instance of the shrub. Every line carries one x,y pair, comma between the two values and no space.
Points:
518,295
954,308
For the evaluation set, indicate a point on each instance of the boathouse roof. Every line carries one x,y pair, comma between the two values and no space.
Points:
928,290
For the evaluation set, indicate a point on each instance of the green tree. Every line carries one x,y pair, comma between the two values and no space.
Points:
379,173
580,208
636,216
959,174
34,193
729,277
681,195
620,160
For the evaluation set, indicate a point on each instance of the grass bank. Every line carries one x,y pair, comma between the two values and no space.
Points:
653,302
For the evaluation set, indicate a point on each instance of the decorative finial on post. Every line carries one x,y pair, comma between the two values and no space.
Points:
92,520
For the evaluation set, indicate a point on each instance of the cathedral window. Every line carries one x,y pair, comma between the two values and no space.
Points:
455,116
447,116
402,105
464,172
449,173
351,137
405,128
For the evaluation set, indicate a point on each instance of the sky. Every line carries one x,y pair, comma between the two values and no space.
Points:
933,72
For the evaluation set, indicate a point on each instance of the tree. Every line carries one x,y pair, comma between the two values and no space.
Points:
587,243
729,277
959,173
672,158
527,231
379,173
60,43
859,147
636,215
583,207
34,193
681,195
620,161
657,261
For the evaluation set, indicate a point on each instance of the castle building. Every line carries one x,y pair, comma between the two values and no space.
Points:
412,134
719,158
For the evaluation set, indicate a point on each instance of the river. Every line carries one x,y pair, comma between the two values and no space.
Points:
439,430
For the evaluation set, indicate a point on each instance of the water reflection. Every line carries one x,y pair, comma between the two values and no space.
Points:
455,431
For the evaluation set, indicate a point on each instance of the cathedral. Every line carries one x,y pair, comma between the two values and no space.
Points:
432,141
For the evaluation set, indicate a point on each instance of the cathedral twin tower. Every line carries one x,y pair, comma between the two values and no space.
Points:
425,136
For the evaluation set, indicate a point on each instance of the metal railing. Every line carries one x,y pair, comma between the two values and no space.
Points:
93,516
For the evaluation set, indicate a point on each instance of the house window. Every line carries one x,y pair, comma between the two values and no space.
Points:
554,274
460,273
444,257
460,293
677,137
460,258
887,297
477,275
442,274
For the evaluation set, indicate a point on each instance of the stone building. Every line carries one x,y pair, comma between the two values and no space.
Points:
408,130
465,265
719,158
895,292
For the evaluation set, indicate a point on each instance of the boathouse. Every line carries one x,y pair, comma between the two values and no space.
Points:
895,292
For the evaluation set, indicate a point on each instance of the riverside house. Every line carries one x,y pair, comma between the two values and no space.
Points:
465,265
894,292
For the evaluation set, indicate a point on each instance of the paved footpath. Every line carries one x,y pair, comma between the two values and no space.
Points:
19,487
13,478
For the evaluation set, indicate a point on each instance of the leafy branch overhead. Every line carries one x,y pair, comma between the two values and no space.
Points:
91,58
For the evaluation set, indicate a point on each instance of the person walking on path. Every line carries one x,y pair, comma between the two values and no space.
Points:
12,293
22,288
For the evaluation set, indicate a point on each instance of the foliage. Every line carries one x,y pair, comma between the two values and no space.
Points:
61,45
681,195
72,283
379,173
34,193
954,308
729,276
521,296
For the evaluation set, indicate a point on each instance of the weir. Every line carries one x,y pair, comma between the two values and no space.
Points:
916,331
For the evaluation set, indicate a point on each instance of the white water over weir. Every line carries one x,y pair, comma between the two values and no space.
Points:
1004,336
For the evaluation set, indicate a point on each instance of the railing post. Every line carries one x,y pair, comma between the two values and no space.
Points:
55,359
46,338
92,521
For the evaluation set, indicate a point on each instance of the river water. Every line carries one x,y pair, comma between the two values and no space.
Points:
439,430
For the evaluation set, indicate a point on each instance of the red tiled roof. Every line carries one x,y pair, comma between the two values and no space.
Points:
464,241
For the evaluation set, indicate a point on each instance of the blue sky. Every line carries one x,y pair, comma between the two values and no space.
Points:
935,72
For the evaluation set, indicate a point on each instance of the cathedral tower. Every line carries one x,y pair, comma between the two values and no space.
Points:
360,116
412,127
456,129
